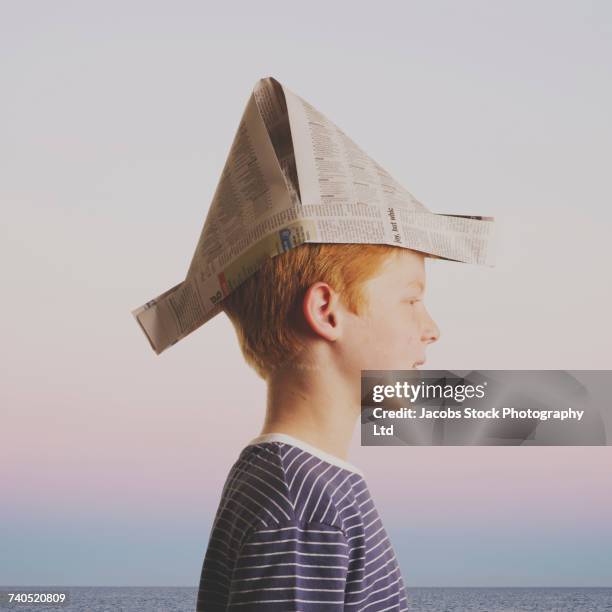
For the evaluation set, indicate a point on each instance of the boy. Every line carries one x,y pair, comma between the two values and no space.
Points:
316,254
296,527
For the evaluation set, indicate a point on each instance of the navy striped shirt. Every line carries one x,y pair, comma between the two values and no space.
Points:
297,530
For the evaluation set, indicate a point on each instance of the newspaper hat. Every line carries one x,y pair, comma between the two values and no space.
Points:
292,176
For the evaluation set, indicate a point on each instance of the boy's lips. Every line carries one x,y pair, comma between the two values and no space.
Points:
417,363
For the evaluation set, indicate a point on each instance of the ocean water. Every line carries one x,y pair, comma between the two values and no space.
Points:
449,599
510,599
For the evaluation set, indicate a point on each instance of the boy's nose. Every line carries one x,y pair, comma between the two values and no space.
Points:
431,332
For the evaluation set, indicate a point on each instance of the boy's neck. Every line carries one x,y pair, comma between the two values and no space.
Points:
313,406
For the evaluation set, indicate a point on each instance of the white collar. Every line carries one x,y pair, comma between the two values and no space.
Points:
313,450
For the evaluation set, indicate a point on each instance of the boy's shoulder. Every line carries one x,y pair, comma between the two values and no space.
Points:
279,480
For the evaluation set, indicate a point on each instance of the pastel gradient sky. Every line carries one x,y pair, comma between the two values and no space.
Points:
118,117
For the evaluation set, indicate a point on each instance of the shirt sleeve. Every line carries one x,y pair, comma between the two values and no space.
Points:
291,567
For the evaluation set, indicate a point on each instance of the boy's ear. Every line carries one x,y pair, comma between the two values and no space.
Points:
321,306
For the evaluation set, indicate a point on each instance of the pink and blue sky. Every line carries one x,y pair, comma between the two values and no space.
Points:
118,117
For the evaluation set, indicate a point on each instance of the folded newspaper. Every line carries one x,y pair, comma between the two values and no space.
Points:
292,176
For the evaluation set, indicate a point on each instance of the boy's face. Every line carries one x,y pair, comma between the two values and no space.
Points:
393,333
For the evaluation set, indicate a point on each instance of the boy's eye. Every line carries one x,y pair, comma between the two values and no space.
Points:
412,301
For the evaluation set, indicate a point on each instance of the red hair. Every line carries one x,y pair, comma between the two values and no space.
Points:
265,309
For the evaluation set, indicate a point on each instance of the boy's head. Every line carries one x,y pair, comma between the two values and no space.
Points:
360,305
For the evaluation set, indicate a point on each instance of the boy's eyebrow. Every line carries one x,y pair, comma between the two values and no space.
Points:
418,283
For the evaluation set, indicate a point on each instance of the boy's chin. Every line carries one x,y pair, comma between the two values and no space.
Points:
386,365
